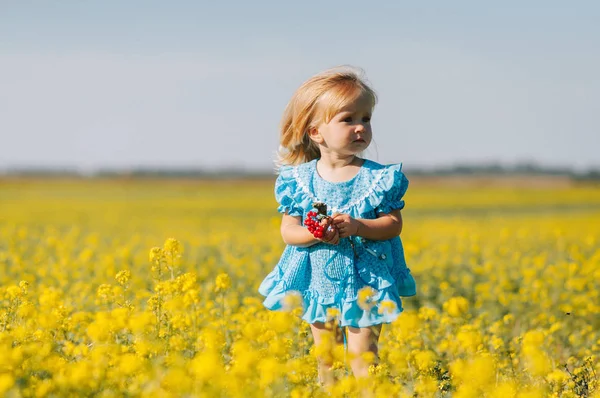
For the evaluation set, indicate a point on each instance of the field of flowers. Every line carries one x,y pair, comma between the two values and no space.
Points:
149,288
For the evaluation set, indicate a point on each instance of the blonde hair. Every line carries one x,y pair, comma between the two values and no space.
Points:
317,101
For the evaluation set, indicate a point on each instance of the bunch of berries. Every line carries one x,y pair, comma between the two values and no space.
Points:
313,224
313,219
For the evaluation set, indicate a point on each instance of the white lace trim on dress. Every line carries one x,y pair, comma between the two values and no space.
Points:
345,208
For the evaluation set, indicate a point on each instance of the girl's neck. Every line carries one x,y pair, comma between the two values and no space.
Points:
338,169
336,162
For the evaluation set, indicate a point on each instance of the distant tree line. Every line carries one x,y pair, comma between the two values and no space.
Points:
529,169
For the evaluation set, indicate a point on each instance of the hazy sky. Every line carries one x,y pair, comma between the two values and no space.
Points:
105,83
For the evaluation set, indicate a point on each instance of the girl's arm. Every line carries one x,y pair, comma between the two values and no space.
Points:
293,233
385,226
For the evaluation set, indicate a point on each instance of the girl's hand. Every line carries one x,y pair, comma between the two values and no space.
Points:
346,225
330,233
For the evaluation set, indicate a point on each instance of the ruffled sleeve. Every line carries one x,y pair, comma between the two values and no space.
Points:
286,188
395,185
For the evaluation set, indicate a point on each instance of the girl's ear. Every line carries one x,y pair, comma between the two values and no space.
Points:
313,134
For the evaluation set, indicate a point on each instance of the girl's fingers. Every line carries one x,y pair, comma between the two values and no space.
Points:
328,224
332,241
334,238
331,234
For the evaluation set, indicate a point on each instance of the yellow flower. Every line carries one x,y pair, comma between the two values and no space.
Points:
211,339
130,364
366,297
456,306
173,247
123,277
140,322
506,389
26,309
176,379
482,371
298,392
557,376
154,302
497,342
291,301
466,391
156,254
508,318
532,392
426,386
469,338
344,387
24,285
478,372
187,281
13,292
424,360
280,321
105,292
207,366
269,370
191,298
98,332
532,340
222,282
332,313
42,388
177,343
538,363
6,382
387,307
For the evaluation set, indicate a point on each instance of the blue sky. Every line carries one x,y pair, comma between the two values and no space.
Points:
122,84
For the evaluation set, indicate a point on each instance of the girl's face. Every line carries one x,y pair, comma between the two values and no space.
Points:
348,132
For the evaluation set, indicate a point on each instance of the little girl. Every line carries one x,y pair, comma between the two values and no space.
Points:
325,127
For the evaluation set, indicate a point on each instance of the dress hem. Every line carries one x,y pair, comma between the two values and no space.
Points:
350,313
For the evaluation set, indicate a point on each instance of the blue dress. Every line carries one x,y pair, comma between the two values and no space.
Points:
330,276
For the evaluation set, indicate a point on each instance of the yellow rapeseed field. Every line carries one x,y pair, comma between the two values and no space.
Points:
149,288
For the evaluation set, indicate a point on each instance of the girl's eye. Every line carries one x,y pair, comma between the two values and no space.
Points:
366,119
347,119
